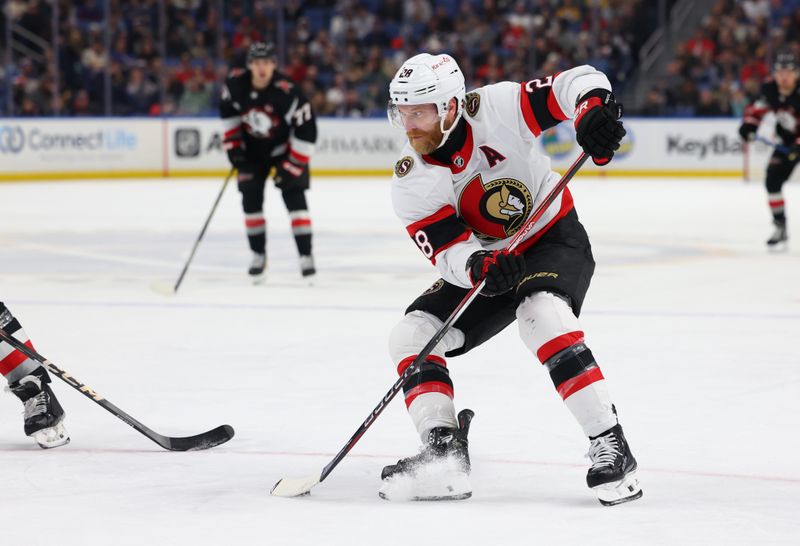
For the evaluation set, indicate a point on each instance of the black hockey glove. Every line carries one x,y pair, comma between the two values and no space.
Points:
502,269
748,131
597,125
234,146
288,171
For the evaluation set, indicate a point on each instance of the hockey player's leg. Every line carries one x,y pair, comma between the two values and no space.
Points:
778,171
28,380
441,468
251,186
550,330
295,199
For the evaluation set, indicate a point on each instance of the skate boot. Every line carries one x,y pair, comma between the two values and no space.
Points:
439,472
257,266
612,475
44,417
778,236
307,268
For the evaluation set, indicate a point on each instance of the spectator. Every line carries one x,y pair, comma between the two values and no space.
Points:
196,97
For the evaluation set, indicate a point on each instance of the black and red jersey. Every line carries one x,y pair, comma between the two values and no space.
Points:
269,122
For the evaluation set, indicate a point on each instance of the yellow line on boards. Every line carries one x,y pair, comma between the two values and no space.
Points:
214,173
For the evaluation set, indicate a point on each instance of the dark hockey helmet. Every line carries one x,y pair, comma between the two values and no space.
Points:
785,60
260,50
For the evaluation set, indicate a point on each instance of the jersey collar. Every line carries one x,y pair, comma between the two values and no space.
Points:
456,152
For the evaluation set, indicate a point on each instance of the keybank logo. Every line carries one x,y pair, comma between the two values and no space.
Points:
14,139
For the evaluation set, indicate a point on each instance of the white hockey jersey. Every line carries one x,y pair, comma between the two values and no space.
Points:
478,189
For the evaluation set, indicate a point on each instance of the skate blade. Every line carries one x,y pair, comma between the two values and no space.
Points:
460,496
431,483
778,248
48,438
624,490
258,280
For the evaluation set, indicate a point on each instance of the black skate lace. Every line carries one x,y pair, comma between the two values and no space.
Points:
36,405
604,450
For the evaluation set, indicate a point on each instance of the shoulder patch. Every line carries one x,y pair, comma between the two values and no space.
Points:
403,166
473,102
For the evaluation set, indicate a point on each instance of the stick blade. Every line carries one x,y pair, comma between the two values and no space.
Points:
206,440
294,487
163,288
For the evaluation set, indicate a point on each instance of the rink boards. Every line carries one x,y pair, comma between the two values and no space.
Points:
99,148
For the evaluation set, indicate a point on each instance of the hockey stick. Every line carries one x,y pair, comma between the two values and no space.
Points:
212,438
786,150
293,487
162,288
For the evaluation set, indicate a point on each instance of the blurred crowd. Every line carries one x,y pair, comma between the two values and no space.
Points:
169,57
719,70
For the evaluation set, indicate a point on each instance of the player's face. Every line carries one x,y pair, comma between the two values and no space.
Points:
421,124
262,70
786,78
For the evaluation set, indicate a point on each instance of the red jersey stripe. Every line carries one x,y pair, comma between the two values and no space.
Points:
299,157
527,112
554,108
440,214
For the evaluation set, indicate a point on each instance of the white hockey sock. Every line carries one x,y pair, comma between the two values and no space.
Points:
592,408
431,410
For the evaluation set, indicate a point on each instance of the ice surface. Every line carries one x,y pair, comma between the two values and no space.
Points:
691,319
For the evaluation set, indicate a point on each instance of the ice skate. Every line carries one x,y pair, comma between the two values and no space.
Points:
307,268
779,237
439,472
257,267
612,475
44,416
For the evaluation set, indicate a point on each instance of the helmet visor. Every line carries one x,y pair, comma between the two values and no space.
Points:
413,116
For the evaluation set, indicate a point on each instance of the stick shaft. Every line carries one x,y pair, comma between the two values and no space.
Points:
204,440
202,232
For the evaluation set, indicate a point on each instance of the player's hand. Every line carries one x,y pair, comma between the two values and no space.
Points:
236,153
597,125
502,270
289,171
748,131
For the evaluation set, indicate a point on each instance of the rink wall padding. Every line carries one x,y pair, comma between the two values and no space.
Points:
106,148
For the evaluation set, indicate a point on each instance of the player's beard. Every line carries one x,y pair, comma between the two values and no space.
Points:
424,142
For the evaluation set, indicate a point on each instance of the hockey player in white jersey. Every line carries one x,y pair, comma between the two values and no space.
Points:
467,180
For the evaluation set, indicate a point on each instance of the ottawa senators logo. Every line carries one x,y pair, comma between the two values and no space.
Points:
473,102
495,210
402,167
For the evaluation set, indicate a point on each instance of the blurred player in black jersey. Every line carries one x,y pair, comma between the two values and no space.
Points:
780,95
269,123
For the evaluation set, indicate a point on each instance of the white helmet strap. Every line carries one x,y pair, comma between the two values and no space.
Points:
446,132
